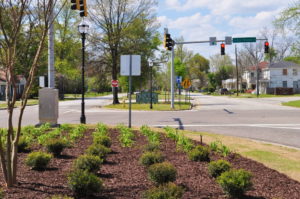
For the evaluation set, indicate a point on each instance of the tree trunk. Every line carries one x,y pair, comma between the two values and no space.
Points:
114,76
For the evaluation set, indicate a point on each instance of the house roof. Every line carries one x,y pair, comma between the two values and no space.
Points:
3,77
261,65
284,64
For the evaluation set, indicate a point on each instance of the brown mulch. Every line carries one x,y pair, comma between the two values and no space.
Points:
124,177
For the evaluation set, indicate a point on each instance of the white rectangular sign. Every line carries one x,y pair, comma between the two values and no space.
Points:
135,63
42,81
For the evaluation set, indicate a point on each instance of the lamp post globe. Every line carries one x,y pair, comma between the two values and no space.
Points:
83,30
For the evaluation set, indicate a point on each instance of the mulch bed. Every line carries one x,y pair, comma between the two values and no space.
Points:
124,177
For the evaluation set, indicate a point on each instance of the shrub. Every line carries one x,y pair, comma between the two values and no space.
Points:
38,160
65,127
235,182
56,146
167,191
162,173
84,182
152,147
23,144
149,158
44,138
103,140
77,132
171,133
2,194
214,145
126,136
200,153
88,163
216,168
98,150
184,143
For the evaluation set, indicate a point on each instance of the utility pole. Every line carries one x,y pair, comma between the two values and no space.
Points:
51,69
237,72
257,74
172,79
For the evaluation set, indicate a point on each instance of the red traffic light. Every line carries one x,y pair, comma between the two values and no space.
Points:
222,49
266,47
266,43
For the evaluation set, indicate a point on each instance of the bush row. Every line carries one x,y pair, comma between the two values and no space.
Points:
83,180
161,173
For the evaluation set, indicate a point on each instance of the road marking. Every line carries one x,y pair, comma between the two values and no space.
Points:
279,126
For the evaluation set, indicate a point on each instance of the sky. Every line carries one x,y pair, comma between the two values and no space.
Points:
197,20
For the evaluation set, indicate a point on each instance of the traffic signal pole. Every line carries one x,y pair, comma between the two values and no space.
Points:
172,80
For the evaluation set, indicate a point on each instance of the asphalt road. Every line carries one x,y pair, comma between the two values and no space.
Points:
260,119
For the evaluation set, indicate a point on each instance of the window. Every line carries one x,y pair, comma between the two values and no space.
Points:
284,84
295,84
252,74
295,72
284,71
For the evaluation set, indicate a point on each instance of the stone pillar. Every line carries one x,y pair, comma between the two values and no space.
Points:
48,106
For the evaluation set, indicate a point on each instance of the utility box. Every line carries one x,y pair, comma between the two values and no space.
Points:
145,98
48,106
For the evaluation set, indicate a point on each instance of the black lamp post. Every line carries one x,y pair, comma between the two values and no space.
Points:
151,96
83,30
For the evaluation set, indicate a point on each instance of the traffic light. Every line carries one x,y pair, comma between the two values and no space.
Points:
75,4
222,49
83,8
267,47
168,42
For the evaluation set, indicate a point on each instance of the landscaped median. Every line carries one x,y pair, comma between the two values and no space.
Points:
118,162
155,107
295,103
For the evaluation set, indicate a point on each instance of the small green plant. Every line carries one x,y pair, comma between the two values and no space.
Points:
55,146
84,183
88,163
101,129
103,140
149,158
199,153
217,146
38,160
44,138
98,150
235,182
65,127
184,143
145,130
77,132
171,133
216,168
126,136
152,147
23,144
161,173
214,146
166,191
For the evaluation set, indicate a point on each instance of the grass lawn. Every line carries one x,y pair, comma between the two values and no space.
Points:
292,103
18,103
88,94
156,107
283,159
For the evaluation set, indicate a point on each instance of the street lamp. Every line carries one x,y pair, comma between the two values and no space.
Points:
151,66
83,30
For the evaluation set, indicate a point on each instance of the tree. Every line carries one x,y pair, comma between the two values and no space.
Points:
216,61
198,68
15,18
223,73
113,17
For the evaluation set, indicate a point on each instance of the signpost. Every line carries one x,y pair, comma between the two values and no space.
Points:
243,39
130,65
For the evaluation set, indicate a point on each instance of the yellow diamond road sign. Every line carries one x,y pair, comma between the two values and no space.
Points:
186,83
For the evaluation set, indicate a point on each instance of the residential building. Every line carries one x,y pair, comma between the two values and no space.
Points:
283,74
20,81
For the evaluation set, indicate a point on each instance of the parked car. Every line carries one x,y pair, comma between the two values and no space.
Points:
223,91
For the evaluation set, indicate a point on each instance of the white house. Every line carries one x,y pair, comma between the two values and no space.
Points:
281,74
20,80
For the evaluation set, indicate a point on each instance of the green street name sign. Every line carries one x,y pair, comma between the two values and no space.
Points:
243,39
